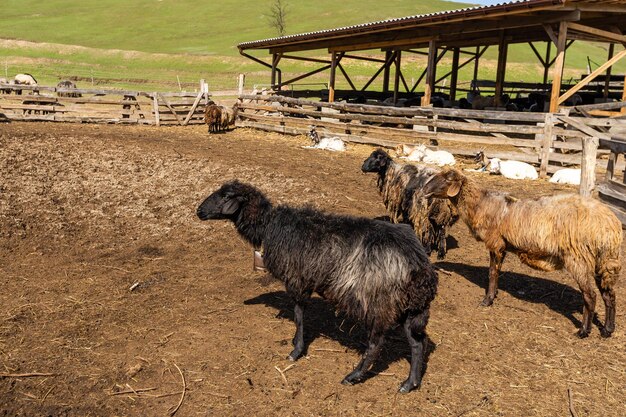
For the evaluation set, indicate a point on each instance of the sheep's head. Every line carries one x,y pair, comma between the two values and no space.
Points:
314,136
226,202
376,162
445,184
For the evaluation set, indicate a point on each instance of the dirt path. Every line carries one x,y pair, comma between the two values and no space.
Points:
88,212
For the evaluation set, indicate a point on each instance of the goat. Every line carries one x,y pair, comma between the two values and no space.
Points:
580,235
65,85
372,270
566,176
421,153
400,186
332,143
515,170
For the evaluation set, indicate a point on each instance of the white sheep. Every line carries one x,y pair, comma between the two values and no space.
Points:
566,176
421,153
515,170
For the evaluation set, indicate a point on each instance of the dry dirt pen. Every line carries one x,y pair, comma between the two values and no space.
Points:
89,211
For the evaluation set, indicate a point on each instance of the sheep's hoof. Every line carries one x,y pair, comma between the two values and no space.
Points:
407,387
582,333
293,356
352,378
487,301
605,333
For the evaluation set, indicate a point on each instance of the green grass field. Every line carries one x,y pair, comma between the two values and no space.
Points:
161,45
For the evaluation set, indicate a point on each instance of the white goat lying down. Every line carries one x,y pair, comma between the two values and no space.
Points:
331,143
567,176
420,153
515,170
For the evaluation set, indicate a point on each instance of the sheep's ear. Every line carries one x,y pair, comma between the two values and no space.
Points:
230,207
454,188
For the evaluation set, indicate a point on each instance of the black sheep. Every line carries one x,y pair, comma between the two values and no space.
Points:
372,270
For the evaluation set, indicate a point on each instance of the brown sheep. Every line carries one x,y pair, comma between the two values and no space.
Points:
213,117
580,235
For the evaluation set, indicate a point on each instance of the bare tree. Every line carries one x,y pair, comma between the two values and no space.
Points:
277,16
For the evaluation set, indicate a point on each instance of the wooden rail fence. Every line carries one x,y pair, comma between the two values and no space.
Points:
41,103
549,140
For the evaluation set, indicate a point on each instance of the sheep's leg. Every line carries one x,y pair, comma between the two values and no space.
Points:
495,263
415,329
373,348
298,339
608,296
441,243
589,306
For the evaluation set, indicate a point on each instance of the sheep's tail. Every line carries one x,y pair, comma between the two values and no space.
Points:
608,269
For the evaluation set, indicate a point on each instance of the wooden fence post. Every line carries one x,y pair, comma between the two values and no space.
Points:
155,105
240,83
588,166
546,144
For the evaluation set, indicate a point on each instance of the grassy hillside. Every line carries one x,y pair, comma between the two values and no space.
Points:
164,44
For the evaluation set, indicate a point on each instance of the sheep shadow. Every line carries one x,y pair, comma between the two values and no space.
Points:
560,298
320,320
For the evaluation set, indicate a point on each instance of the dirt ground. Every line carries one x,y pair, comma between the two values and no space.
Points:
113,292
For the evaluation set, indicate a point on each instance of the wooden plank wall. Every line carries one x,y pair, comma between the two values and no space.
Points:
550,141
41,103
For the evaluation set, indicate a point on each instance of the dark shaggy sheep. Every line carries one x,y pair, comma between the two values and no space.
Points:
372,270
213,117
67,85
400,186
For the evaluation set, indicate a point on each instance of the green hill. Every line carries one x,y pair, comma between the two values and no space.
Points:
164,44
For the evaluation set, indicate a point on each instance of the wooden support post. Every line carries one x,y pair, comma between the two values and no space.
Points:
331,81
476,64
273,75
454,75
430,73
501,70
155,106
557,71
386,71
588,166
611,164
624,98
240,83
396,81
546,62
546,144
607,81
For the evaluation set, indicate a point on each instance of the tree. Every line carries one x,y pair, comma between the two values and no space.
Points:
277,17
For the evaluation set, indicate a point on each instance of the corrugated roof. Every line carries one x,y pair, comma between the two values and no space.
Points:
400,22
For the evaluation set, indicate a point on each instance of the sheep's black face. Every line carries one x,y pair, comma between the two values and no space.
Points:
376,162
224,203
479,156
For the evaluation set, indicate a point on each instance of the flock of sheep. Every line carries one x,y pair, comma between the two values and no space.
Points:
379,271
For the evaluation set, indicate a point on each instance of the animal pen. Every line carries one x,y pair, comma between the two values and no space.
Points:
41,103
565,132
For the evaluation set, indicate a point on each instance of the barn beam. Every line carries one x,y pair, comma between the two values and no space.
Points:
557,70
430,73
501,69
591,76
455,73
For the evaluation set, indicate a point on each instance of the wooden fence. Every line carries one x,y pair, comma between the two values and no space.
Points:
40,103
549,140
